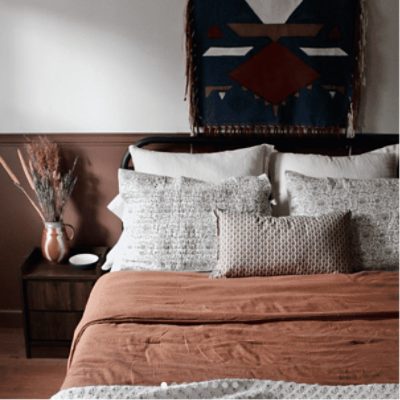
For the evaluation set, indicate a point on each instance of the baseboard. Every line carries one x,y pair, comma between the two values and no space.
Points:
10,318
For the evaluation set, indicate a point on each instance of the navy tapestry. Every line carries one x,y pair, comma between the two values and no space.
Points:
274,66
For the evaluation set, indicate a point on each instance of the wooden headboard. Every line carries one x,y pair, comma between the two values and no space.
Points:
328,145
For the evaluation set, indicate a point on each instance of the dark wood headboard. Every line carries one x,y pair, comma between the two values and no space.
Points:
329,145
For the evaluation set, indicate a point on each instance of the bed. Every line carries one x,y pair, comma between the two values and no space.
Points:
178,334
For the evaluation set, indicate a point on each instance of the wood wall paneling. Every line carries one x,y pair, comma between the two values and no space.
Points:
20,228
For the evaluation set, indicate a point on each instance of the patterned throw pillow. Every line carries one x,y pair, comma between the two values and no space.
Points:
169,223
374,205
251,245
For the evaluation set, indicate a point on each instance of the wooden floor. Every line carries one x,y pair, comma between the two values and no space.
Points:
22,378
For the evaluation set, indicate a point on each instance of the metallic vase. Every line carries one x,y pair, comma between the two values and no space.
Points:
55,241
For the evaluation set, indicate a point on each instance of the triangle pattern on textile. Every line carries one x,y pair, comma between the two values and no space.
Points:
273,11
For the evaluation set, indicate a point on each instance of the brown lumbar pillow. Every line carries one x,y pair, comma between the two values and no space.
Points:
251,245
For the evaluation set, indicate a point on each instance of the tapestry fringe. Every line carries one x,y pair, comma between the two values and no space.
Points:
359,78
363,42
213,130
191,87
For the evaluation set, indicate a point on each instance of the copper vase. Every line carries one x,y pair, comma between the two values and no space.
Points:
55,241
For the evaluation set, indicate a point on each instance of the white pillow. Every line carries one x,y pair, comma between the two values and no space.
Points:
381,163
392,149
208,167
116,206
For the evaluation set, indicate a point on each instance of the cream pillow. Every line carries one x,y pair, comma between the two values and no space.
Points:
392,149
381,163
208,167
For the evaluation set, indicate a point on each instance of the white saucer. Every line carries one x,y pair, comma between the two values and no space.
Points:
85,260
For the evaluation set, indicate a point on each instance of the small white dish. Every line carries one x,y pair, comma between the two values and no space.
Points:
84,260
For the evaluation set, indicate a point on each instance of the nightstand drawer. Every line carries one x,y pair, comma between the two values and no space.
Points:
53,325
54,297
58,295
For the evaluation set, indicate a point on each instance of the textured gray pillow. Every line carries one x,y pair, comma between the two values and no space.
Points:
251,245
169,223
374,205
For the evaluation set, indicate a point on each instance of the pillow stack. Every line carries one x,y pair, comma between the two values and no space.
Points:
211,212
377,164
167,204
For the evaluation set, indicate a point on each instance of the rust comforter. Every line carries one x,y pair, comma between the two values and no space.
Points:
143,328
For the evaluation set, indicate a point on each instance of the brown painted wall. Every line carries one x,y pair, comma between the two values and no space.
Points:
20,228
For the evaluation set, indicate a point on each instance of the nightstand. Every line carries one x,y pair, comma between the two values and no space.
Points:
54,297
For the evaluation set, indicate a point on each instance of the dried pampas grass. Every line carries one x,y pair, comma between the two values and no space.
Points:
52,186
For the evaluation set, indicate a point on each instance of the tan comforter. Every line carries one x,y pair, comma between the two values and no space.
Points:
149,327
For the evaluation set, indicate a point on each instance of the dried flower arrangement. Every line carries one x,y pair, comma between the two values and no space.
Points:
44,174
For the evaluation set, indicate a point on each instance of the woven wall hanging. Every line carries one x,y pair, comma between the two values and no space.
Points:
274,66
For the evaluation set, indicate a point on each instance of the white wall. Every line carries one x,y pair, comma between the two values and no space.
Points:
380,105
92,66
118,66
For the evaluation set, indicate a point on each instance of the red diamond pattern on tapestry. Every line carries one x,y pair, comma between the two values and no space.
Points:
269,74
215,33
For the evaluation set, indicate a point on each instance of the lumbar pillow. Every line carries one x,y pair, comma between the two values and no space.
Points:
208,167
251,245
169,223
374,205
381,163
